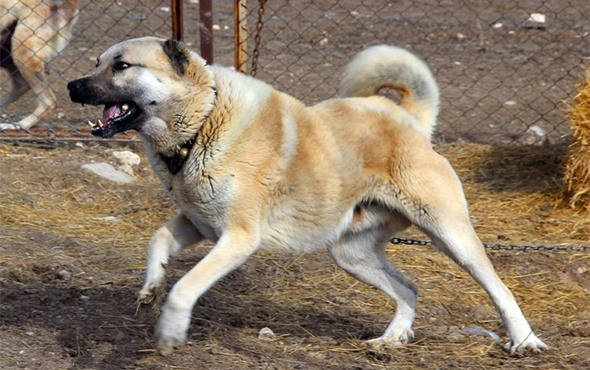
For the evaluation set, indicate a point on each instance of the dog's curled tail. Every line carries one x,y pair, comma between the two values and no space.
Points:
385,66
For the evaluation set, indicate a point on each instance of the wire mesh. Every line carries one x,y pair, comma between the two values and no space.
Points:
99,24
504,67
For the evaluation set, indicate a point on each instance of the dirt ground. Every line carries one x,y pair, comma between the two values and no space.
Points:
73,247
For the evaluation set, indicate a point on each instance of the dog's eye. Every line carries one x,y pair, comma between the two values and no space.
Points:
119,66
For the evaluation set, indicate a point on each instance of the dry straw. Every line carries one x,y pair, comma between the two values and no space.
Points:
577,167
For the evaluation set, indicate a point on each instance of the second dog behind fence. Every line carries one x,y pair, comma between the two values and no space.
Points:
33,33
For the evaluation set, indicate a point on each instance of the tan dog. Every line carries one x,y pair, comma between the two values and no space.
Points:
33,33
250,167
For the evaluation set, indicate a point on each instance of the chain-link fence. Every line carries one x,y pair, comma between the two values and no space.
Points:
42,27
504,67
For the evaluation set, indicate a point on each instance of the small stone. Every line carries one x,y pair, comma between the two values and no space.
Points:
119,336
216,27
537,17
324,41
109,218
64,275
266,334
84,298
127,157
299,366
128,160
476,330
535,135
460,36
30,333
535,21
108,172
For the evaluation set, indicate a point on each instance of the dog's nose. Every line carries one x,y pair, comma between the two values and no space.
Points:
75,86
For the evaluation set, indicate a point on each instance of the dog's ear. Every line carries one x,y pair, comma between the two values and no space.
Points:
178,54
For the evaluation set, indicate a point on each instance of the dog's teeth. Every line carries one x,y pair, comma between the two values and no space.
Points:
125,107
100,124
90,123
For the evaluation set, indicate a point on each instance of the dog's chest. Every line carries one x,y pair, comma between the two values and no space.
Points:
204,201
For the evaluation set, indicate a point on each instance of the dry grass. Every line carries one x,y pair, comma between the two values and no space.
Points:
51,213
577,167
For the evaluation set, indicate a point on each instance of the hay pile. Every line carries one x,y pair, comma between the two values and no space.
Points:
577,168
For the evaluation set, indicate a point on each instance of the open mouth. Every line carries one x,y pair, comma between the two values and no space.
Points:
117,117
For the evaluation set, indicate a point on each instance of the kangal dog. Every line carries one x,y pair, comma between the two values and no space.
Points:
250,167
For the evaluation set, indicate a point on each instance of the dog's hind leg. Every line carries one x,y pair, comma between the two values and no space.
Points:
19,87
29,60
435,203
46,101
362,255
457,239
174,236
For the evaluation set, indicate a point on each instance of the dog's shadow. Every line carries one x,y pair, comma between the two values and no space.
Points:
101,326
521,168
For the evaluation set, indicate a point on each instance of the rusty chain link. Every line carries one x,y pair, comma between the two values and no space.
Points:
510,247
258,37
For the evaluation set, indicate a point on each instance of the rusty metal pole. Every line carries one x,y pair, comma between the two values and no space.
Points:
177,17
206,29
241,35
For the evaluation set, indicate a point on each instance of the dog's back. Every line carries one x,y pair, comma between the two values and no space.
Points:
385,66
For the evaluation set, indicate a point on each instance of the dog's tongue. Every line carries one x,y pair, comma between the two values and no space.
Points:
110,111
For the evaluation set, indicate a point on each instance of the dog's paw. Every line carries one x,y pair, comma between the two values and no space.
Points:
171,330
395,339
166,344
154,286
529,344
151,292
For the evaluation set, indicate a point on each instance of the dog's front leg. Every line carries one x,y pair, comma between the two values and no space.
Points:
174,236
232,249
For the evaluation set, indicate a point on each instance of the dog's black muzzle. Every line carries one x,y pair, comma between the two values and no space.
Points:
79,91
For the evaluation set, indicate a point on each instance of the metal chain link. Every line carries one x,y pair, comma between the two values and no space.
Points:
498,246
258,37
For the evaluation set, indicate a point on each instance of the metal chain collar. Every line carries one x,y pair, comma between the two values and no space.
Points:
258,37
510,247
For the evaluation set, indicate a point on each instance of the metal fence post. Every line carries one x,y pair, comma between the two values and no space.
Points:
241,35
206,30
177,17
